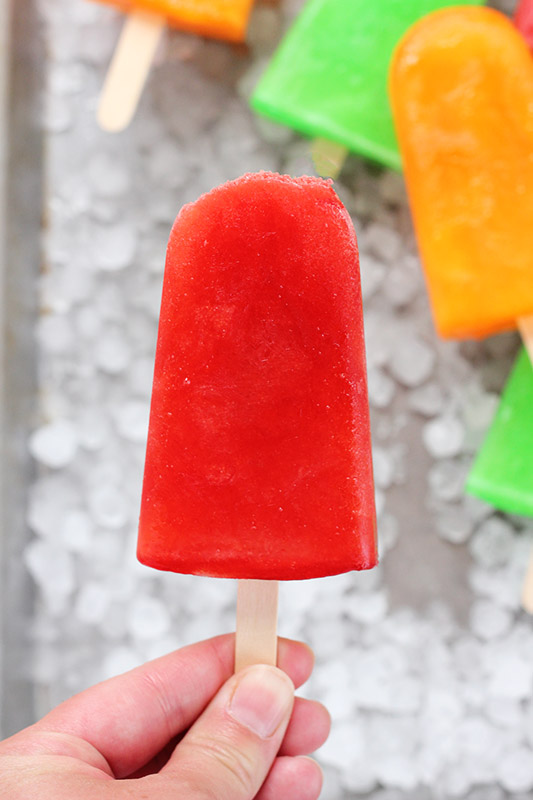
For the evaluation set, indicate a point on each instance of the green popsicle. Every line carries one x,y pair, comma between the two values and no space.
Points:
328,79
503,471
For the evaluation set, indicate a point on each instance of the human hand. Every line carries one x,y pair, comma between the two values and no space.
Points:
178,728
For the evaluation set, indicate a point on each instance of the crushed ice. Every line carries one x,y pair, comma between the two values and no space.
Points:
432,701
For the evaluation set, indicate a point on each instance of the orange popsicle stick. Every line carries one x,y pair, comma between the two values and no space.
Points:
462,94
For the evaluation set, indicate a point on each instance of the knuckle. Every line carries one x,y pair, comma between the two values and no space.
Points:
233,769
168,712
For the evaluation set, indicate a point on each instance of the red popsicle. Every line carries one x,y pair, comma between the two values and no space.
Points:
523,19
258,462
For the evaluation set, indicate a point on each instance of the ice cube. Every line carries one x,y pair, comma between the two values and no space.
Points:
346,744
379,338
468,655
109,506
331,789
76,531
389,533
478,409
453,526
398,771
427,400
380,388
488,620
93,428
88,322
51,567
114,246
57,114
108,175
49,499
392,187
54,444
515,770
148,618
447,479
155,648
511,676
403,282
383,242
132,421
372,275
359,776
368,609
492,543
168,165
119,660
443,436
112,352
92,603
383,467
506,713
54,333
503,587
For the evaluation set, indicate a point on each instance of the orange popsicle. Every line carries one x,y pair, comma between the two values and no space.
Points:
219,19
462,93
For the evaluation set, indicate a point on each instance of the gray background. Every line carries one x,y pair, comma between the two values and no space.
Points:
426,663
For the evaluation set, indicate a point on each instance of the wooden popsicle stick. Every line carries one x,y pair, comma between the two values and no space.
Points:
129,70
328,157
527,588
256,640
525,326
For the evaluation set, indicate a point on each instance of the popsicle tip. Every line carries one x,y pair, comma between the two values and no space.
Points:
113,120
433,25
328,157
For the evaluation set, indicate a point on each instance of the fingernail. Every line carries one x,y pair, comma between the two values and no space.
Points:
262,699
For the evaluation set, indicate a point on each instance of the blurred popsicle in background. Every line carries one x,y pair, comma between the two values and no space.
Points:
328,78
523,19
462,93
146,21
503,470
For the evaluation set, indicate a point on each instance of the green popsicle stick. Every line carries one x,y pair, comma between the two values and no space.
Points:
503,471
328,78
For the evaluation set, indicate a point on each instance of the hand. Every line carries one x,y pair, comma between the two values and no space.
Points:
178,728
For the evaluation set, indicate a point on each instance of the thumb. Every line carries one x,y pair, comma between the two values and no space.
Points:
229,751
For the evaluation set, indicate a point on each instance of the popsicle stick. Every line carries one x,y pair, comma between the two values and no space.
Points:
129,70
256,640
525,326
328,157
527,588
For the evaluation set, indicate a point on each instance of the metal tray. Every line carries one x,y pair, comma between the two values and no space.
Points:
20,221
